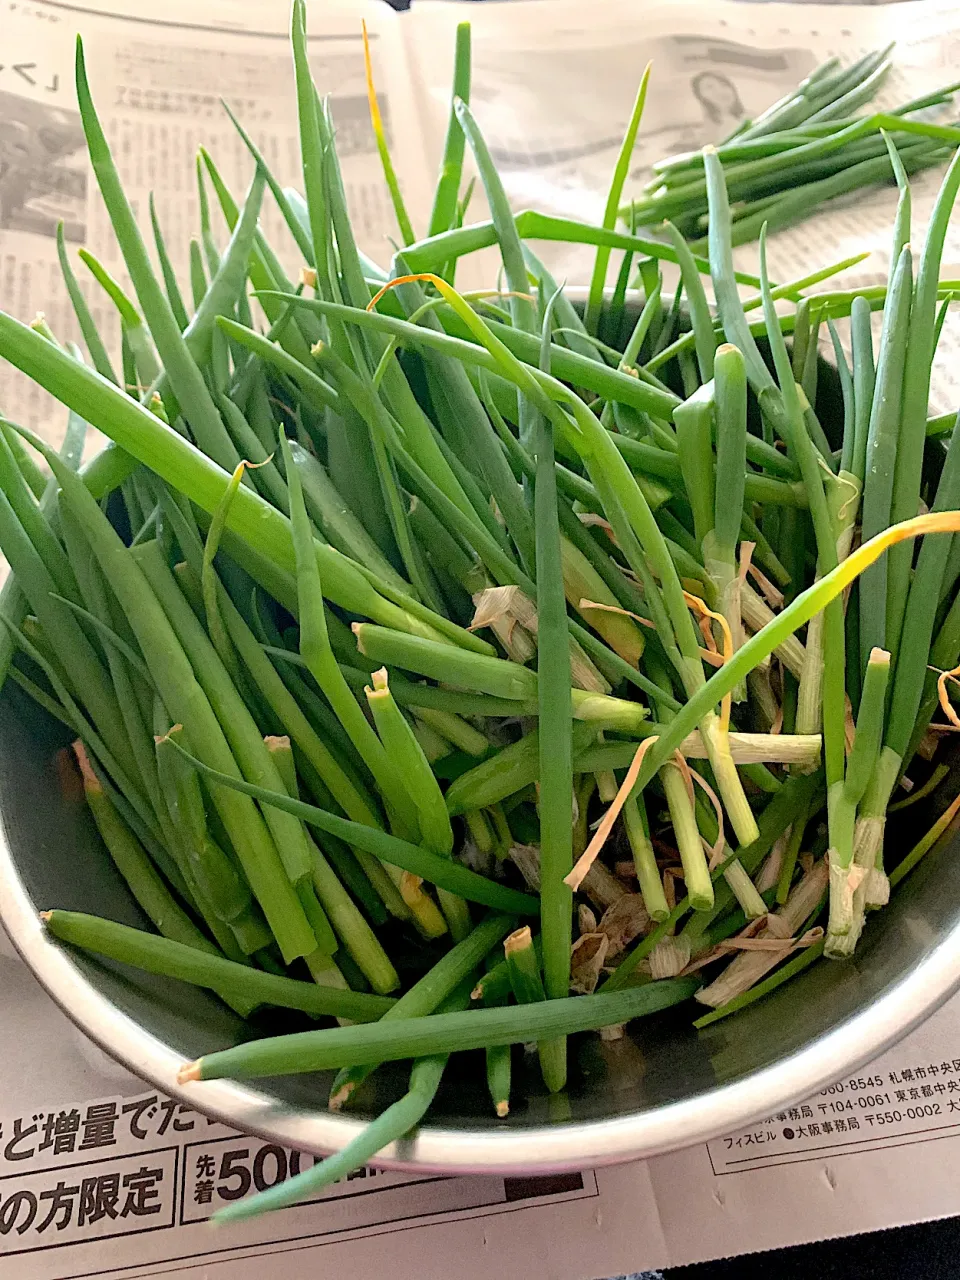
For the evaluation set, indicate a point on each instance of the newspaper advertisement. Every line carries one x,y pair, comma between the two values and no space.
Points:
102,1176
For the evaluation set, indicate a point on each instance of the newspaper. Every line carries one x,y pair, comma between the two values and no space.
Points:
158,82
552,97
101,1176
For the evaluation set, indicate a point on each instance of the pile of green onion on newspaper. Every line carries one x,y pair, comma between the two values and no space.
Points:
470,671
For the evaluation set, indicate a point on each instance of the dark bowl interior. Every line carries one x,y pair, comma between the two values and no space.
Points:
56,852
831,1018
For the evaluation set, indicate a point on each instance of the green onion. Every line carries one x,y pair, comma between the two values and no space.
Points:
173,959
443,1033
483,578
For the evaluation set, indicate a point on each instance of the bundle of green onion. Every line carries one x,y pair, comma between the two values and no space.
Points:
363,624
807,148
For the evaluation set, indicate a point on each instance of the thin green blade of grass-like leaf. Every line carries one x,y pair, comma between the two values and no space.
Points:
700,316
315,648
846,391
473,1028
352,283
695,427
383,147
210,251
185,377
522,309
651,312
209,582
240,729
198,273
444,211
175,460
186,701
134,331
521,306
886,427
576,335
227,283
91,336
920,351
36,481
901,226
428,993
790,423
392,1125
864,381
170,282
427,255
566,364
724,283
265,270
556,764
598,277
443,872
720,544
731,400
294,224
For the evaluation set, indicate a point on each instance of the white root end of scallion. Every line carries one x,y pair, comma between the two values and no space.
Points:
748,968
845,882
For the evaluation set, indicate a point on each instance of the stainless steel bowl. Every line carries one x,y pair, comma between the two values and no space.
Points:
664,1086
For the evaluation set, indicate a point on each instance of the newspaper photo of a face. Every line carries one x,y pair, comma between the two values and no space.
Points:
43,168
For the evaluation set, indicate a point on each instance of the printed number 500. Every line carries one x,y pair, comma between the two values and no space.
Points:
270,1165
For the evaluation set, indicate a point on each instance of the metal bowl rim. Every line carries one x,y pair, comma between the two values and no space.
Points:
566,1147
527,1149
